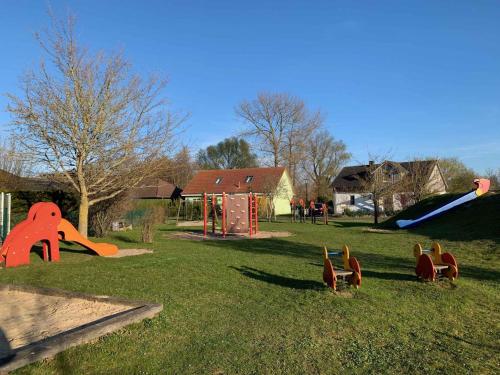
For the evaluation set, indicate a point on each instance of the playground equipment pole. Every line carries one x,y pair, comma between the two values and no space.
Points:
9,207
2,234
250,215
213,213
256,214
223,228
204,214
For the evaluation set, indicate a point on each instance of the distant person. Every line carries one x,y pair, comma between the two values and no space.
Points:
302,211
324,209
311,212
293,209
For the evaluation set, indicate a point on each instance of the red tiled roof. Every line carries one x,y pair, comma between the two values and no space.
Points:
233,181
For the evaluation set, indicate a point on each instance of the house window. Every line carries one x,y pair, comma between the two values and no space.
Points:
353,200
248,179
218,180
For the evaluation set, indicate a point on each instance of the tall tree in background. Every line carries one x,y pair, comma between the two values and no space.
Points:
323,161
179,169
89,119
231,153
458,177
281,126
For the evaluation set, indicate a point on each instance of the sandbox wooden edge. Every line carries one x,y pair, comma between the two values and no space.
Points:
50,346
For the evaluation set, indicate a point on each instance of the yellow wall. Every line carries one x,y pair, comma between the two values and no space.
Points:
283,195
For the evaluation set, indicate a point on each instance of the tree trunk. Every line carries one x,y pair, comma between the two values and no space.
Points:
375,211
83,215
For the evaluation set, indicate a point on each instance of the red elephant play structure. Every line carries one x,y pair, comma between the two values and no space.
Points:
45,224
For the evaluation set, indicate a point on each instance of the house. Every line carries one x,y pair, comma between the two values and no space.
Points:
350,190
272,183
156,188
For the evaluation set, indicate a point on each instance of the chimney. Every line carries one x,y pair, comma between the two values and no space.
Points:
370,163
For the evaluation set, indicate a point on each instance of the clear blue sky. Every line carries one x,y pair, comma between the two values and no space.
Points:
413,77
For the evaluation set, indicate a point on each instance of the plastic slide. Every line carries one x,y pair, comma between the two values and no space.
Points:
482,187
68,232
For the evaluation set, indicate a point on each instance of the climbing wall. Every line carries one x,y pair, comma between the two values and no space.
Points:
237,213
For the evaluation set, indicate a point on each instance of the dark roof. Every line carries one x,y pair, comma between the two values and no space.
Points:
155,188
234,181
12,182
350,179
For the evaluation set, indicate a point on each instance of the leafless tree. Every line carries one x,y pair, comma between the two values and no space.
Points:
12,160
416,184
88,118
323,160
381,180
281,126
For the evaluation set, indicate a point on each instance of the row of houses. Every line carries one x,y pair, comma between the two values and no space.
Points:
349,187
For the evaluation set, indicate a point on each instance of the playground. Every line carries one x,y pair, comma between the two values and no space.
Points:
260,305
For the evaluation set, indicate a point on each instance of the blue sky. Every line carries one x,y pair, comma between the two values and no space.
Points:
412,78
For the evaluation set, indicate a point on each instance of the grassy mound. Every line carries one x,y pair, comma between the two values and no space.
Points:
474,220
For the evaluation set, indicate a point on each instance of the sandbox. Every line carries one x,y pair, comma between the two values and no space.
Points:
198,236
38,323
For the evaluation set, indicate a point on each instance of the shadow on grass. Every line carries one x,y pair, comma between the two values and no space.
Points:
350,224
122,238
287,282
469,342
388,275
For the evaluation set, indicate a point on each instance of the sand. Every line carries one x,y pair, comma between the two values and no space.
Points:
29,317
130,252
198,236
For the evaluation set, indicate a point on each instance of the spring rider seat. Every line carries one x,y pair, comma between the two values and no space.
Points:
432,264
351,272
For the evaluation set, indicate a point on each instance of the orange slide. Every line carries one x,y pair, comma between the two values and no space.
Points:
67,232
44,224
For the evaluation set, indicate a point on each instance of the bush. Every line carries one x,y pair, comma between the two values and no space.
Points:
104,213
152,216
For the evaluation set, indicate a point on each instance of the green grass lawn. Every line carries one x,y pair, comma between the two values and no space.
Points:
259,306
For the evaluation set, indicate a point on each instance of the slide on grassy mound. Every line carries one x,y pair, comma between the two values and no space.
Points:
477,219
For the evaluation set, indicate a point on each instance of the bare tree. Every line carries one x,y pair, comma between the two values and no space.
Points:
416,184
381,180
89,119
280,124
323,160
298,142
13,161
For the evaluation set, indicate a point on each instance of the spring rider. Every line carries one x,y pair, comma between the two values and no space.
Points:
351,273
439,265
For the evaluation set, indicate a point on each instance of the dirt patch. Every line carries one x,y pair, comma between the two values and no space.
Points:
193,223
198,236
384,231
130,252
30,317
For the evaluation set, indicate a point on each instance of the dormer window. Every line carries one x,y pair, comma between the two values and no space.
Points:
218,180
248,179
